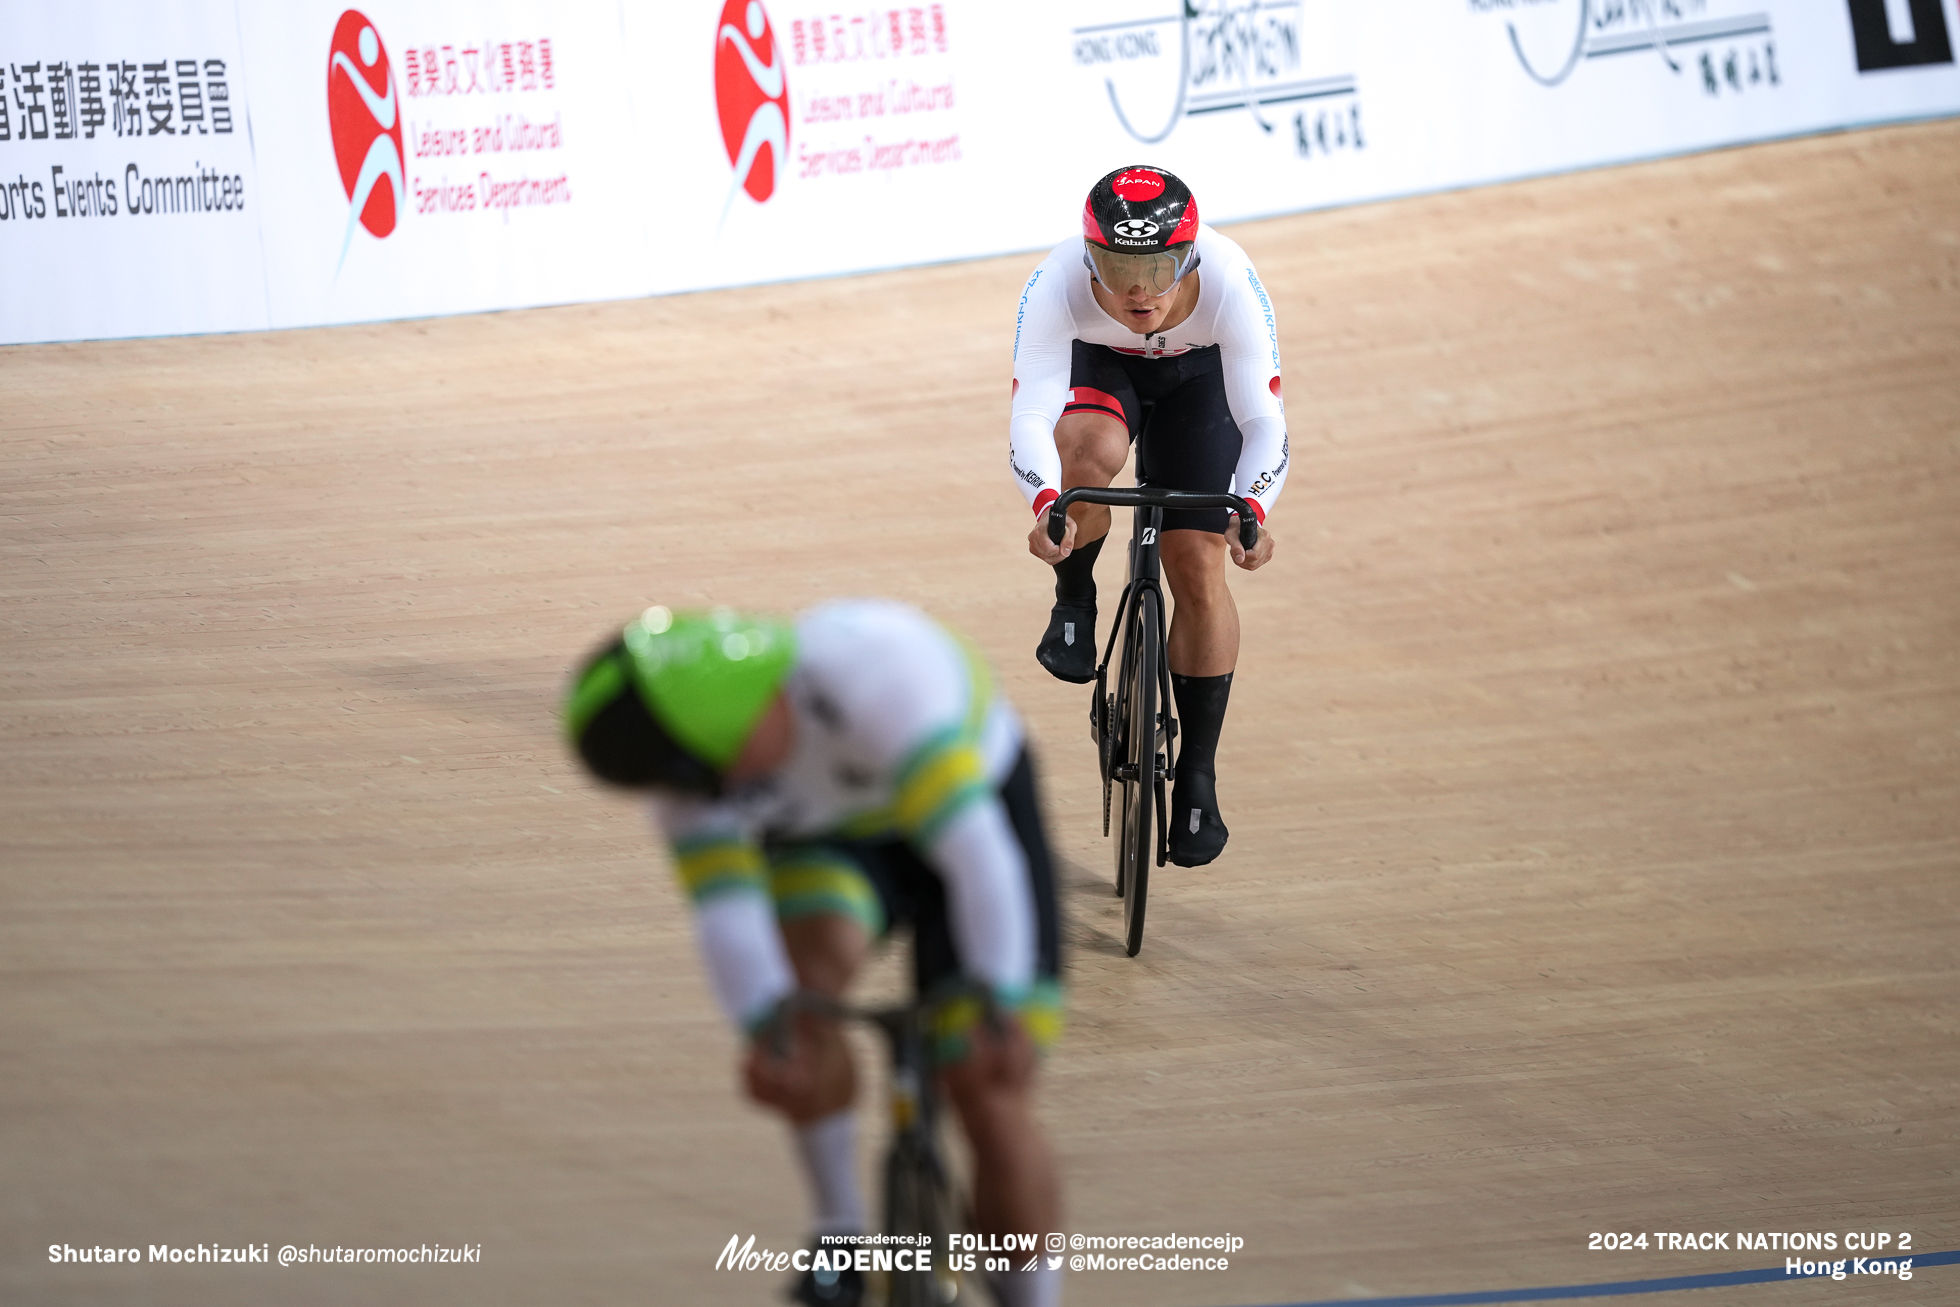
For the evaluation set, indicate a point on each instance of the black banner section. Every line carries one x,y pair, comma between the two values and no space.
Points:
1876,48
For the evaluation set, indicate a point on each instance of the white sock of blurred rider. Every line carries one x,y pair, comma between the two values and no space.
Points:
828,1147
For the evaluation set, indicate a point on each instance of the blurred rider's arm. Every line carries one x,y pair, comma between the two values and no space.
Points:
721,866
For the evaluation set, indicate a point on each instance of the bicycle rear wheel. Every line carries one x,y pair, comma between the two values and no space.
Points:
1136,842
915,1205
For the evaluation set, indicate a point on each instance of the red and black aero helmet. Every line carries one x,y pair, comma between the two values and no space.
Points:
1140,225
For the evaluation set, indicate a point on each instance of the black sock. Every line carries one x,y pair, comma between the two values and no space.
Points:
1075,576
1200,716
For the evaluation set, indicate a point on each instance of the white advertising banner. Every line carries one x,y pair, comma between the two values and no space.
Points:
794,141
1270,106
444,156
129,202
313,163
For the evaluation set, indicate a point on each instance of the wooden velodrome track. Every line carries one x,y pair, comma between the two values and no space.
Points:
1593,766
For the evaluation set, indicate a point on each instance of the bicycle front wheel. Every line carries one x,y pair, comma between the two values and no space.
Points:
915,1206
1137,840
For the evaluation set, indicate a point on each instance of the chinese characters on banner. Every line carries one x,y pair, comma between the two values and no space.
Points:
66,100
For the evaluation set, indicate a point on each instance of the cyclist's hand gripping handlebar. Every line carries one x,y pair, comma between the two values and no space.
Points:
1057,522
775,1031
1150,497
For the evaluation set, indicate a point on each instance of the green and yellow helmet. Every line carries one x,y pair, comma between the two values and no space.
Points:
669,704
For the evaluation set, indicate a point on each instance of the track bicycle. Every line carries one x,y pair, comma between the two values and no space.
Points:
919,1210
1132,724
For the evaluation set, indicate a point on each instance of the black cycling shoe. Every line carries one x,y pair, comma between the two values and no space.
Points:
1196,833
1068,647
843,1288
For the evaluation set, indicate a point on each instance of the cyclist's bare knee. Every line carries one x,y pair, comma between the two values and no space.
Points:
826,949
1194,563
993,1113
1093,447
977,1081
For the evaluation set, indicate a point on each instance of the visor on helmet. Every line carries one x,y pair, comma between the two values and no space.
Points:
1158,273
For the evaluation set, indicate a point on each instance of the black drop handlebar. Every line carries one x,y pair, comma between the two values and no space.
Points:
1150,497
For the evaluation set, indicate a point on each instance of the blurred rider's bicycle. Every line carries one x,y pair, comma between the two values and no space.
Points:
1134,731
920,1212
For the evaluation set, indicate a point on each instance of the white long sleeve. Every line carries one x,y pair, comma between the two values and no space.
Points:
988,900
748,968
1044,335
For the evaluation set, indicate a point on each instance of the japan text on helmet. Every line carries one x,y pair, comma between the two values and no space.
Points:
670,703
1140,228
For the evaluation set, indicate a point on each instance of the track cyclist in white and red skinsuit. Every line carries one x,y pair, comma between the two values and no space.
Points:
1151,310
821,781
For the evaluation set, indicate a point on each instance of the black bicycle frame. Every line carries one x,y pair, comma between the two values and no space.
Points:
1146,574
914,1104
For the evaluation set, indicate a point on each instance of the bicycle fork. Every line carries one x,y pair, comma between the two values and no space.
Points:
1145,573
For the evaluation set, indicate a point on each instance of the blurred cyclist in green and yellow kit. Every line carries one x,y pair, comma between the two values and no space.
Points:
820,781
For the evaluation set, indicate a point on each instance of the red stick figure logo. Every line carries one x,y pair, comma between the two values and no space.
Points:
367,130
752,96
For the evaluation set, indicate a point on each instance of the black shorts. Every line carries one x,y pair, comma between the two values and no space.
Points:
826,875
1176,411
